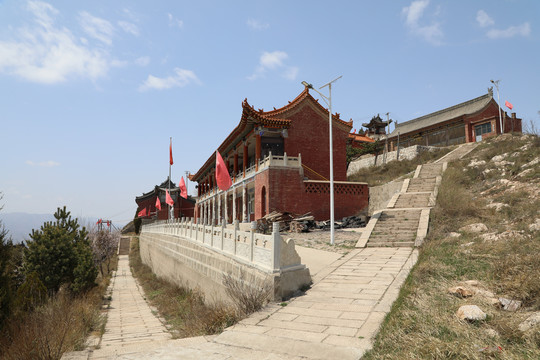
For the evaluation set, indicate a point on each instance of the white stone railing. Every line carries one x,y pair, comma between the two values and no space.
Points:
268,161
267,252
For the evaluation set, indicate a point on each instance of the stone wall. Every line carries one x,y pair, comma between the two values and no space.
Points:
379,196
200,256
404,154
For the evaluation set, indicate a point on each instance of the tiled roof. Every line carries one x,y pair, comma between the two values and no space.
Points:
274,119
361,138
453,112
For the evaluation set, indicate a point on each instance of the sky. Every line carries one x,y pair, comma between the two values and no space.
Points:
91,91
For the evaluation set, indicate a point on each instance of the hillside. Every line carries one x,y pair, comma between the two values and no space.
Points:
483,249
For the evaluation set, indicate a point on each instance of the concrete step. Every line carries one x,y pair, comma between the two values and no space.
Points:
391,244
123,247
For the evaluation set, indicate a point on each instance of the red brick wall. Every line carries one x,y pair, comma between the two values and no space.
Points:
308,135
286,191
182,207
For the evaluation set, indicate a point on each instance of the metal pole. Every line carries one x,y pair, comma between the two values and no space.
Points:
496,83
332,230
187,183
169,206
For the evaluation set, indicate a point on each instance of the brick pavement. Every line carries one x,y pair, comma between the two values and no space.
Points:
336,319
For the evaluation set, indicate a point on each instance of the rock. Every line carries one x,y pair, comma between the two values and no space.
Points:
492,333
498,158
524,173
505,235
532,163
503,163
454,235
485,293
531,322
460,292
497,206
535,226
476,163
467,244
474,228
525,147
472,282
471,313
509,305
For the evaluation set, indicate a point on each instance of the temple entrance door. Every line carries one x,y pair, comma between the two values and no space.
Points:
263,201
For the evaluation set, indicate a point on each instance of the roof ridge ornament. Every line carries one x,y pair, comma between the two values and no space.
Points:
490,91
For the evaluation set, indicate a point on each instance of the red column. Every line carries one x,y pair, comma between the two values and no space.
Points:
245,158
257,151
235,164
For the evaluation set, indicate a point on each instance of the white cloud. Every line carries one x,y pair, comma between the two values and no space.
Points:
142,61
414,13
521,30
174,22
181,78
483,19
128,27
49,163
96,28
274,61
47,53
257,25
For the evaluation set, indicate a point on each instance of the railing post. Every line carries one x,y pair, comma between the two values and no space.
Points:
276,246
285,159
236,228
212,235
191,228
253,227
222,234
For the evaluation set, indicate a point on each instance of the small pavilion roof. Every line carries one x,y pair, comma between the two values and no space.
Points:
465,108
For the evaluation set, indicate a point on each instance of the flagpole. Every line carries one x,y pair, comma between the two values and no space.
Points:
170,147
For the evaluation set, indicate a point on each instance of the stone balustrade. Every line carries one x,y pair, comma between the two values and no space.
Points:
262,251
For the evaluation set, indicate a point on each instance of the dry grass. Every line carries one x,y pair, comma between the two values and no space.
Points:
249,296
378,175
61,324
184,310
422,323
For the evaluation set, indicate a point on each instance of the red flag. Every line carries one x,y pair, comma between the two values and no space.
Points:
168,198
183,189
222,174
142,213
170,153
158,203
508,105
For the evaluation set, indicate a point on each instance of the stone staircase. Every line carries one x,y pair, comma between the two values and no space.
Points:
123,246
404,222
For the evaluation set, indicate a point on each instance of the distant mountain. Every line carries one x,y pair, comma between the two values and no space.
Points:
20,225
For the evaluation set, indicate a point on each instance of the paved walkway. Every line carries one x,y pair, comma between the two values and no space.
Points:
336,319
130,321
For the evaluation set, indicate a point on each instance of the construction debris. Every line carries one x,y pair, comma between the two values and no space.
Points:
304,223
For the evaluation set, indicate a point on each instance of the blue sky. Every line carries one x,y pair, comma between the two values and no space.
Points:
91,91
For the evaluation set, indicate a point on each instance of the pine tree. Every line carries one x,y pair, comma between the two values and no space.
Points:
6,248
60,253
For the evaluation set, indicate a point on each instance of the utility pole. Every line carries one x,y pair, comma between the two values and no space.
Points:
187,183
386,137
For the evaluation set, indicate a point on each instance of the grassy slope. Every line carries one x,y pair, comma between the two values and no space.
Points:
422,323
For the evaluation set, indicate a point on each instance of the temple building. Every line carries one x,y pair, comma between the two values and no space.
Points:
182,207
470,121
376,128
279,161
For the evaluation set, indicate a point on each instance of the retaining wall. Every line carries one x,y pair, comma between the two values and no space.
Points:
404,154
199,257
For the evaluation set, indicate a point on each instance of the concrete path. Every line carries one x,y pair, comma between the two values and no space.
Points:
336,319
130,321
